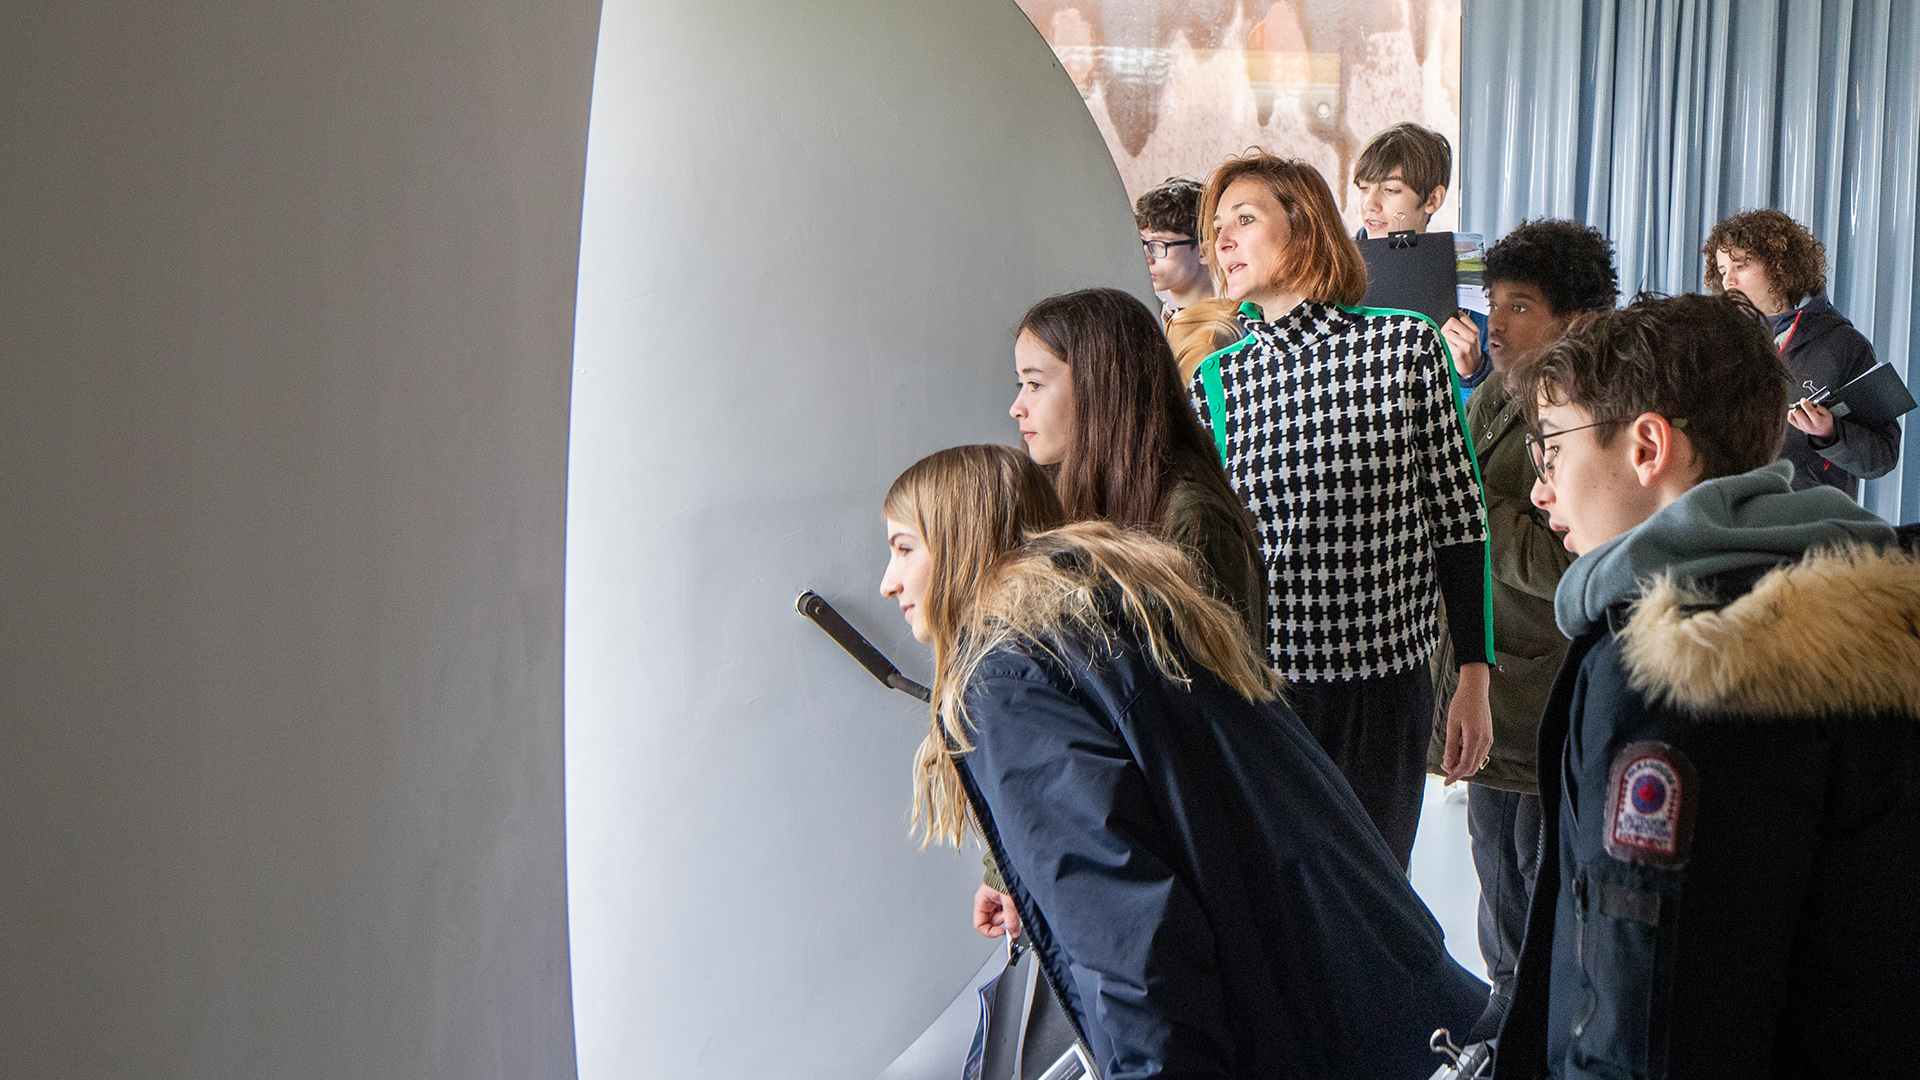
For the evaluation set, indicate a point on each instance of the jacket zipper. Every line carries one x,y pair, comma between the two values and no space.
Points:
1580,920
1079,1044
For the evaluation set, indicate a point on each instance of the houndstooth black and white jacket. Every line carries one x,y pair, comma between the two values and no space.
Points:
1338,427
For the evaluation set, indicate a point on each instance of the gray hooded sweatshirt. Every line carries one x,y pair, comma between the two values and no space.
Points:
1734,522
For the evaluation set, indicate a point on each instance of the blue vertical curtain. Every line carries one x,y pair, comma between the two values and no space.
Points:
1653,119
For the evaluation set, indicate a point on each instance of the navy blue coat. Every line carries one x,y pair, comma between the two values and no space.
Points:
1198,879
1730,783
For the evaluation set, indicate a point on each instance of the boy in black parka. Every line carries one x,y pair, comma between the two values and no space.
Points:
1730,757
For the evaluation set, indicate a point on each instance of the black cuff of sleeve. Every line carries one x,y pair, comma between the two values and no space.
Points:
1462,569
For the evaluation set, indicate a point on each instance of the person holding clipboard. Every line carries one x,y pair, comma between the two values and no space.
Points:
1402,177
1780,268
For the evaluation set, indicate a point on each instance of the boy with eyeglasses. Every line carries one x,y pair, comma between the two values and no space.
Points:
1729,759
1196,322
1168,217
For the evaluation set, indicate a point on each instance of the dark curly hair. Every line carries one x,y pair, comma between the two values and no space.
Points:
1570,263
1796,262
1172,207
1707,360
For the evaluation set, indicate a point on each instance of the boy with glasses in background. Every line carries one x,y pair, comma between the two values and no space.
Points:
1729,758
1168,217
1196,322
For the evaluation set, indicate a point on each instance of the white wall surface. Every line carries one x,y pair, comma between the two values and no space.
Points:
286,304
809,230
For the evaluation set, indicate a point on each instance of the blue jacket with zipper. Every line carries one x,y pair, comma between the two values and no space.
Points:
1197,877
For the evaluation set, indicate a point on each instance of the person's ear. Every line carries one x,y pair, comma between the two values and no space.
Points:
1434,199
1658,452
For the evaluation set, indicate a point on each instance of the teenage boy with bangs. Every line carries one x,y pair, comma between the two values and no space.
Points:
1540,277
1730,756
1196,322
1402,175
1168,217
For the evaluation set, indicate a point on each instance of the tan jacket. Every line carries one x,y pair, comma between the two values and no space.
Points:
1199,330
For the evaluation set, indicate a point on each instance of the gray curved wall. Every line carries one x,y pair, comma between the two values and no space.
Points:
809,229
286,308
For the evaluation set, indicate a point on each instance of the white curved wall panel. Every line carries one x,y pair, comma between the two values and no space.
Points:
808,232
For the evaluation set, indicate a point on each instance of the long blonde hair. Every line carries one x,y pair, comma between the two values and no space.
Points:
997,580
971,505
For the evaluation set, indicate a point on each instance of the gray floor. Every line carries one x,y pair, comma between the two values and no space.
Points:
1442,875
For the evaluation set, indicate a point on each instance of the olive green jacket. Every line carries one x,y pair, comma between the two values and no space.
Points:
1204,526
1528,559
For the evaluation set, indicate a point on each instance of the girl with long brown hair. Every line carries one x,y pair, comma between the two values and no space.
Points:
1101,404
1204,891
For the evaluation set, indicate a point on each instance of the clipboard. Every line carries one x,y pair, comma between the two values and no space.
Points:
1413,272
1876,397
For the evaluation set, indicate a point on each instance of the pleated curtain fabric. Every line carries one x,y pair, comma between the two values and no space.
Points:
1653,119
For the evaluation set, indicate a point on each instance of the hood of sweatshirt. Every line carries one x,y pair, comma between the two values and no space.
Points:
1810,321
1814,306
1732,523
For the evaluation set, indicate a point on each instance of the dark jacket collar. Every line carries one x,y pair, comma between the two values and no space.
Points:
1810,320
1808,306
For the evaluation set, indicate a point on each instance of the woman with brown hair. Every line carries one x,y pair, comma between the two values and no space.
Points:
1101,404
1339,429
1203,891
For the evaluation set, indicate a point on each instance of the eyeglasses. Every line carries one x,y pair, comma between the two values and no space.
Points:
1158,248
1537,444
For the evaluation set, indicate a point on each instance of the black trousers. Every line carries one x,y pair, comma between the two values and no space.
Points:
1505,830
1376,731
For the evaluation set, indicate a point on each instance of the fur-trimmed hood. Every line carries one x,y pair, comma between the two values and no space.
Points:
1836,633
